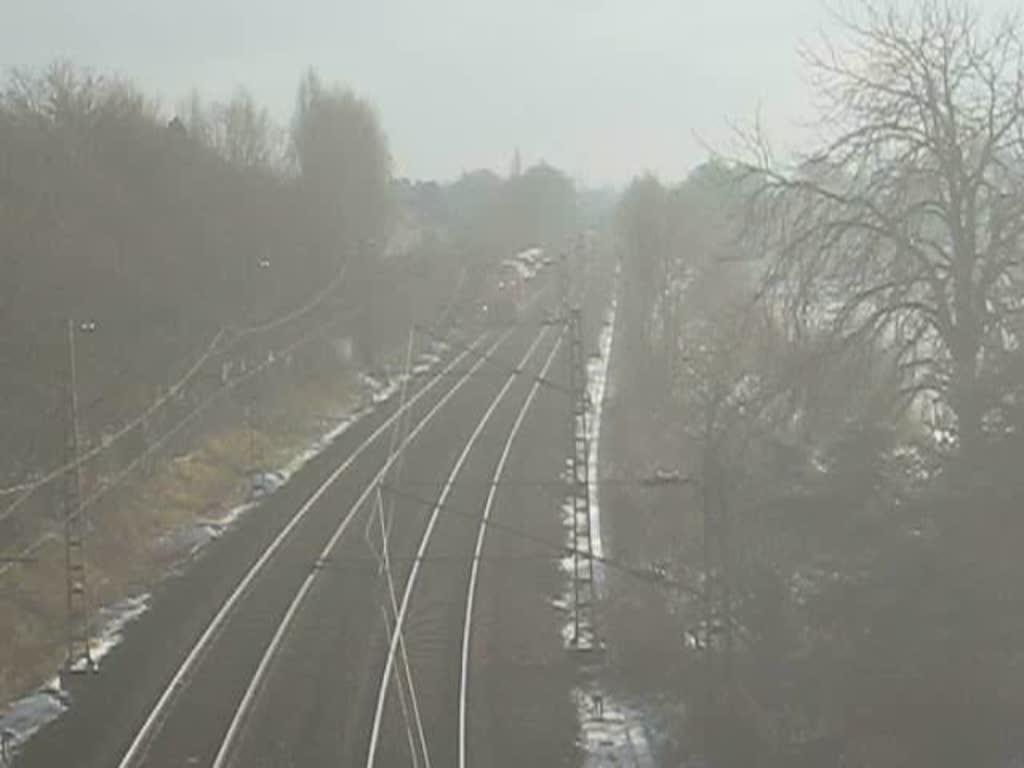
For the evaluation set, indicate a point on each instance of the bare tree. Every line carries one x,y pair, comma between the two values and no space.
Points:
244,134
903,228
343,157
649,260
345,174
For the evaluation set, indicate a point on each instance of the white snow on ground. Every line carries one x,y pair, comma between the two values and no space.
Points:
381,389
611,734
27,715
597,380
113,620
22,718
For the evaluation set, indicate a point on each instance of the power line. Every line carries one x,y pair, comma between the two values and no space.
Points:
213,348
640,483
224,388
100,492
241,333
642,574
584,634
27,555
85,456
231,384
502,365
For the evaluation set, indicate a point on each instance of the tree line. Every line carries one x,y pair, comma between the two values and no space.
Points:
835,348
157,229
218,269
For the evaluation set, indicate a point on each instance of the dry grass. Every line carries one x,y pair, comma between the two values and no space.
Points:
202,483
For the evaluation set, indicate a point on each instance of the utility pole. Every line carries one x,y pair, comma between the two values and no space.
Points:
583,625
563,283
79,655
7,747
250,425
252,361
709,607
253,421
718,596
367,252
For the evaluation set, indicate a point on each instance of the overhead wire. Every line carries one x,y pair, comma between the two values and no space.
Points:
502,365
642,574
241,333
231,384
109,440
185,420
213,348
397,438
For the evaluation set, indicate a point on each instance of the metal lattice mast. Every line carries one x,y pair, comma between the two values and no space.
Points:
582,559
79,655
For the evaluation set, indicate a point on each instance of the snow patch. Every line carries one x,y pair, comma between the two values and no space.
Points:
113,620
20,720
611,734
597,381
24,717
27,715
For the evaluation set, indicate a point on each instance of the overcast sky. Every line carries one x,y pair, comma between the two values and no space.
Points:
602,88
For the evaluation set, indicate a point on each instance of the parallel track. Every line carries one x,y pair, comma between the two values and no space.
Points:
136,752
474,574
425,539
256,682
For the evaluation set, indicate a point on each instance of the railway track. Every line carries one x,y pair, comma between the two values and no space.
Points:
258,678
285,638
465,652
425,541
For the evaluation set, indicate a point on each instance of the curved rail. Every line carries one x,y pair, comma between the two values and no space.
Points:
150,726
256,682
474,572
428,532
